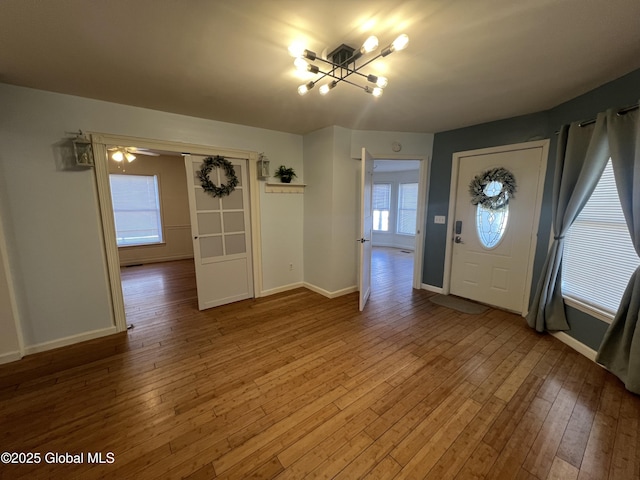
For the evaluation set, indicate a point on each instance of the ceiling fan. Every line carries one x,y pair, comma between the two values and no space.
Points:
129,153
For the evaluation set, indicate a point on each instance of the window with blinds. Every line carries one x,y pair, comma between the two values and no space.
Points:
599,257
381,206
407,207
136,208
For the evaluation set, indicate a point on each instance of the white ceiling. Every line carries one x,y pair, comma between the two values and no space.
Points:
468,61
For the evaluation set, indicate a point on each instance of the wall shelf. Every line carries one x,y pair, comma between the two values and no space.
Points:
284,187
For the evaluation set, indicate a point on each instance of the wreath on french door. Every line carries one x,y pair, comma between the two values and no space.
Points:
211,188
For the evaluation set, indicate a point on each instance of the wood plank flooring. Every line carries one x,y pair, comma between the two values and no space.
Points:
299,386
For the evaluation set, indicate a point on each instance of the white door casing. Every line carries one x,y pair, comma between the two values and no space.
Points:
366,226
221,231
498,276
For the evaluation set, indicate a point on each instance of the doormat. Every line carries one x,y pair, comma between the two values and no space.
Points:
459,304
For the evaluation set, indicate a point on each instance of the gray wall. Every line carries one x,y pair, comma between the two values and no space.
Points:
618,93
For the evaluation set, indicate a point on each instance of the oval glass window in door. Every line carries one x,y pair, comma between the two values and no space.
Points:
491,223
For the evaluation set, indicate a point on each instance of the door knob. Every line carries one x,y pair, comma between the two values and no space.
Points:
458,239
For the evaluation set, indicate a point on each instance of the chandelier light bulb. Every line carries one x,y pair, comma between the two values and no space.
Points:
326,88
296,49
303,89
300,64
379,81
117,156
377,91
400,43
370,44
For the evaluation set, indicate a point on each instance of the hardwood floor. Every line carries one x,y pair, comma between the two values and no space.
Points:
299,386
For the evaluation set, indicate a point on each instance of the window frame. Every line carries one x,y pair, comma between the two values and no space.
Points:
388,210
160,215
596,311
399,209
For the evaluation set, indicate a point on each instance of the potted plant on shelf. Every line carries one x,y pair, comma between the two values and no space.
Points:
285,174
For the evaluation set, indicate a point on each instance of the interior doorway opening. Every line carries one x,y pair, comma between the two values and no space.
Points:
153,232
101,144
396,234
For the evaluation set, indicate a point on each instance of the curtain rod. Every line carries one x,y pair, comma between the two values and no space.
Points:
620,112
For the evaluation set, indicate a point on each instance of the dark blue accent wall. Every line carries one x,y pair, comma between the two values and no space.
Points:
618,93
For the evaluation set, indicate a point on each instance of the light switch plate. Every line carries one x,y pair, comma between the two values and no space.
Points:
440,219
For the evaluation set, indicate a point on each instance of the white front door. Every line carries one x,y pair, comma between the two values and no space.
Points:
366,226
491,260
221,230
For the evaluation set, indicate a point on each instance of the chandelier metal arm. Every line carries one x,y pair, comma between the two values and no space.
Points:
345,66
339,79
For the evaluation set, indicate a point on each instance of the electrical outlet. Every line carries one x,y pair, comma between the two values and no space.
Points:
440,219
290,266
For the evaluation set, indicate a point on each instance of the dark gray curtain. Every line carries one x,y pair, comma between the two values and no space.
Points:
582,154
620,349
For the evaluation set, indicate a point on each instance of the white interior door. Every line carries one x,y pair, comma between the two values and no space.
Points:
366,226
499,274
221,230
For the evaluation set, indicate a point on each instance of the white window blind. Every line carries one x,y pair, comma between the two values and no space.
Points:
599,257
381,206
136,207
407,205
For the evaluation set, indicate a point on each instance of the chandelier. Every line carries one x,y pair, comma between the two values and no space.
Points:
341,65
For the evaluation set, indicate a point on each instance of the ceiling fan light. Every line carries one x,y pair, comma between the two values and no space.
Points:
370,44
117,156
129,156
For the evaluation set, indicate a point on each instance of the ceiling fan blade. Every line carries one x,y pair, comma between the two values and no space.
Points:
142,151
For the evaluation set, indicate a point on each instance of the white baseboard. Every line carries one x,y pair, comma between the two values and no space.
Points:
284,288
432,288
10,357
326,293
576,345
63,342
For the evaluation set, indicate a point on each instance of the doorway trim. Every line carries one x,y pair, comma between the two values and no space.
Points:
421,222
99,142
453,191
